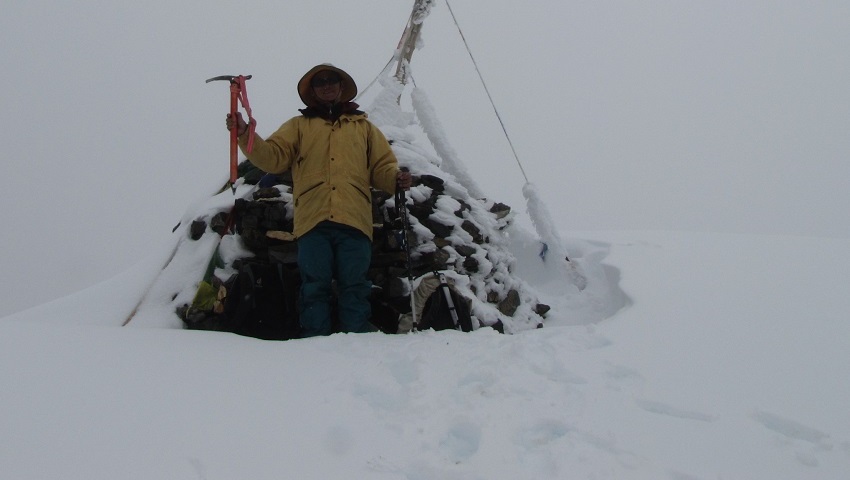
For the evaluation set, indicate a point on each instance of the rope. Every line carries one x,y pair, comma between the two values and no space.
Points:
383,72
481,77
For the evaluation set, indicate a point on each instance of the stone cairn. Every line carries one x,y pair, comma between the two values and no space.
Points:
458,242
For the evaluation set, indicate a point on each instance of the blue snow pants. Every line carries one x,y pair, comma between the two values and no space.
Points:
334,251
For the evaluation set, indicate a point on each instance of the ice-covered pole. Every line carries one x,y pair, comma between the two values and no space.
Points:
542,221
434,130
548,234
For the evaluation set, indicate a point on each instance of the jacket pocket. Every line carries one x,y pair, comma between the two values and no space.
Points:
306,191
366,195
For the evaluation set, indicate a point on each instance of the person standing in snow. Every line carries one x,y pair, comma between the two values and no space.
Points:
335,155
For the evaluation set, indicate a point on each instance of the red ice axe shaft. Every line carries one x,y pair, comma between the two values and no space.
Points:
238,93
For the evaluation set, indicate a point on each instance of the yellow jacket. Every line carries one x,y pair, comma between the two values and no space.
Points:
333,165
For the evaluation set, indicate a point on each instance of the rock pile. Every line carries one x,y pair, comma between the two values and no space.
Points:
447,234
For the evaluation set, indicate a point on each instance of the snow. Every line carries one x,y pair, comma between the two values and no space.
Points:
727,360
421,10
682,356
666,355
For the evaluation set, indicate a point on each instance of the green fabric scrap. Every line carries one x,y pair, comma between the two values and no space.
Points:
205,297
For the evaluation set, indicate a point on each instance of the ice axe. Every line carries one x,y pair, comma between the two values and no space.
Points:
237,93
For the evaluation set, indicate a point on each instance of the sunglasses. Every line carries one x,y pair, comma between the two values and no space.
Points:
323,81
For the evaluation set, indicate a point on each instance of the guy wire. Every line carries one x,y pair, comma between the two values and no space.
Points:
487,90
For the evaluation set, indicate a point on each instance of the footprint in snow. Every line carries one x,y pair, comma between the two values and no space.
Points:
541,448
620,377
379,398
541,434
480,382
665,409
403,370
461,441
792,431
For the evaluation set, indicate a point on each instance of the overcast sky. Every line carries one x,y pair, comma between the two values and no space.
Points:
721,116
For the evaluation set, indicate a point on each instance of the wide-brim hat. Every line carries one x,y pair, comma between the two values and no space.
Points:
305,90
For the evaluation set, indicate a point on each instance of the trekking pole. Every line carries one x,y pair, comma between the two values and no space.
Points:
444,286
237,93
401,207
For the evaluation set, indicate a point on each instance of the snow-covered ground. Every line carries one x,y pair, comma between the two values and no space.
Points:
729,359
689,356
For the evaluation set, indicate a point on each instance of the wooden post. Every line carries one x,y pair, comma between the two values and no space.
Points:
408,43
